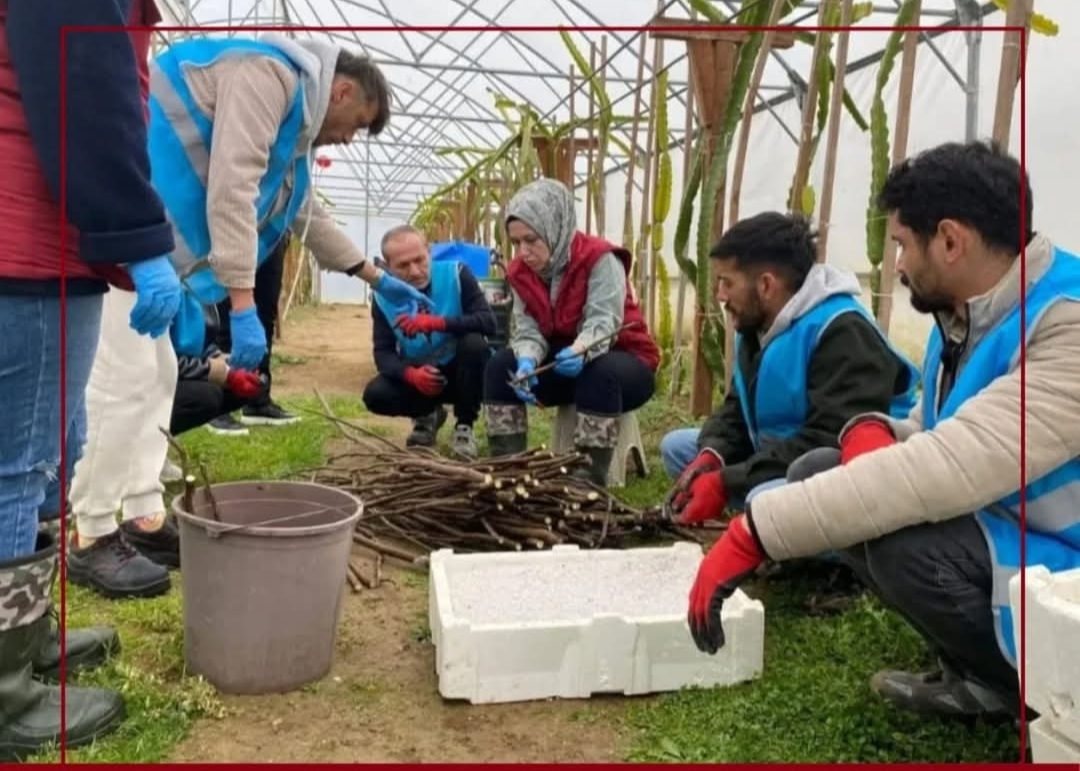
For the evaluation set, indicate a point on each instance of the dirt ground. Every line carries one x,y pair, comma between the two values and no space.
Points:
380,702
328,347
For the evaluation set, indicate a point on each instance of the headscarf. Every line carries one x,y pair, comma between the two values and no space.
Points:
547,206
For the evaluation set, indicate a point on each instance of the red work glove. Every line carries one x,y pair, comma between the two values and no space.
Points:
729,562
420,324
864,437
706,460
427,379
706,499
244,383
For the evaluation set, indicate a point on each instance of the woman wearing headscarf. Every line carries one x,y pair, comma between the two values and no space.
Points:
571,294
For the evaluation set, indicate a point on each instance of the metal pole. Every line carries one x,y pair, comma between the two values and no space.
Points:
970,14
367,204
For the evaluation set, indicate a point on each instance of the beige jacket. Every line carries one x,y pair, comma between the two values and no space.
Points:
966,462
247,99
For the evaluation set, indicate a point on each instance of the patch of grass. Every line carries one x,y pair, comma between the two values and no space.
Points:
163,700
813,702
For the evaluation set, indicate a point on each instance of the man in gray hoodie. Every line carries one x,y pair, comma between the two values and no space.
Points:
808,357
234,124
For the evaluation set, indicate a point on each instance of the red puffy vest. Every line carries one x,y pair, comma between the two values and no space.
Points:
29,239
559,325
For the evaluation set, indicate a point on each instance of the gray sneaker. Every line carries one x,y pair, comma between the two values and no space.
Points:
464,443
940,693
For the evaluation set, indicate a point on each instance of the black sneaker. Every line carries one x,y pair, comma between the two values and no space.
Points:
114,569
227,425
426,429
940,693
269,414
161,546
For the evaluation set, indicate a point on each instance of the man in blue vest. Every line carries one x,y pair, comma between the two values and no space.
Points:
234,123
435,358
927,508
809,357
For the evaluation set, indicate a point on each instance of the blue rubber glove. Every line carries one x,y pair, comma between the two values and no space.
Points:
157,295
405,298
248,339
569,362
526,366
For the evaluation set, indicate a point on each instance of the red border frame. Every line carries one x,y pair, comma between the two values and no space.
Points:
472,28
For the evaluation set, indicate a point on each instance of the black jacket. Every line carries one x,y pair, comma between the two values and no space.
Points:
852,371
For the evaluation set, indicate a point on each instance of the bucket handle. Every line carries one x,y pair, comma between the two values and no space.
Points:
216,531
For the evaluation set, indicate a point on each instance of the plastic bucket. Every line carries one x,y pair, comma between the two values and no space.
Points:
263,587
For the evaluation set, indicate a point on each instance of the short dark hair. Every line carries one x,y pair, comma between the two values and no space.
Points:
784,243
976,183
366,74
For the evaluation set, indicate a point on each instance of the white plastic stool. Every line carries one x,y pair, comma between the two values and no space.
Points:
629,443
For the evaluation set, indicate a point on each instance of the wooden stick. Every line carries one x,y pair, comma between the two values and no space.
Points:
551,365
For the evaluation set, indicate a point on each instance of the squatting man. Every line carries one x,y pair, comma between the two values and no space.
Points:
430,359
925,509
809,357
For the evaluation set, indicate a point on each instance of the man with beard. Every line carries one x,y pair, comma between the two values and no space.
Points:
808,358
933,511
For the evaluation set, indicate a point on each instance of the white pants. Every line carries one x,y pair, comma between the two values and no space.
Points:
129,399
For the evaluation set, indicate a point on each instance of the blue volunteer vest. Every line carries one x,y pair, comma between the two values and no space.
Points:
446,301
780,397
180,138
1052,501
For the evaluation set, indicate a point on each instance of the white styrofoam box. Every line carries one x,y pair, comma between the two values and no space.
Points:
1049,746
569,623
1052,668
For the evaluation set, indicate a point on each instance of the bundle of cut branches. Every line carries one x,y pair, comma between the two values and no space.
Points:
416,501
527,501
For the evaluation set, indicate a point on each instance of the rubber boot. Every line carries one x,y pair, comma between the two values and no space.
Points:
599,463
595,436
29,709
85,649
507,444
507,429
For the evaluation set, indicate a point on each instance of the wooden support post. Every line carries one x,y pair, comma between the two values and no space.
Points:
887,285
1018,15
712,55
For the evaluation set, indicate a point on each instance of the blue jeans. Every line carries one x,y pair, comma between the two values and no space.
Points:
679,447
30,392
